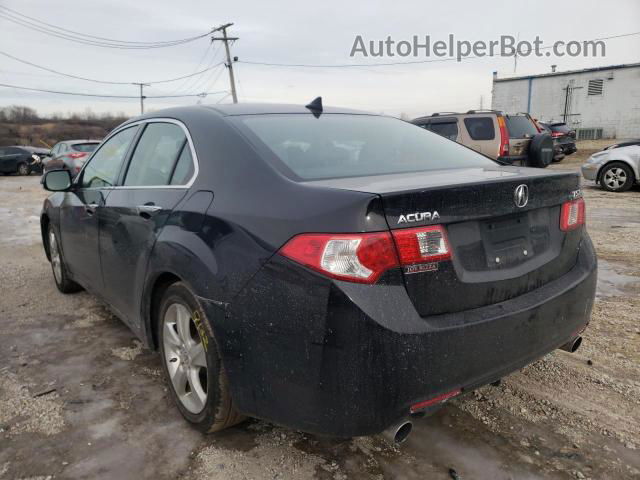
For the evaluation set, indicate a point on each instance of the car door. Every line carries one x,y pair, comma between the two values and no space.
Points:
82,208
156,179
3,161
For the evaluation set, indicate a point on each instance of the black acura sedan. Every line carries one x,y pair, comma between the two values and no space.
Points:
328,270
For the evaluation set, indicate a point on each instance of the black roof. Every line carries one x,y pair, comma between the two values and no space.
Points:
263,108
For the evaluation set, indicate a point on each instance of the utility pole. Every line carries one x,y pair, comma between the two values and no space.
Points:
229,64
142,97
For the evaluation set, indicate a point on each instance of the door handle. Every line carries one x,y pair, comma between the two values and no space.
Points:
91,208
147,211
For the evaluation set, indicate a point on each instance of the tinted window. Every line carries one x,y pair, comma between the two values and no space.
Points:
341,145
560,127
480,128
448,130
85,147
103,168
184,168
519,126
156,154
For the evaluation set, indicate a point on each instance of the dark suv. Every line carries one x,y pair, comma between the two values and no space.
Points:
564,138
510,139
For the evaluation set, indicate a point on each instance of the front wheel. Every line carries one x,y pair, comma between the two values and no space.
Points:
60,273
23,169
616,177
192,363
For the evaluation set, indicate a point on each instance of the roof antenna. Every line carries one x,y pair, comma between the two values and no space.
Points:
315,106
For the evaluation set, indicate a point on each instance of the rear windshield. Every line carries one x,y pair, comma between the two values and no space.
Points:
84,147
520,126
343,145
560,127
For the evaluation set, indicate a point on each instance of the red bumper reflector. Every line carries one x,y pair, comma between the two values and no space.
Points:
435,400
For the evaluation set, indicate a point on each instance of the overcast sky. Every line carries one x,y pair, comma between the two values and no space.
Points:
288,31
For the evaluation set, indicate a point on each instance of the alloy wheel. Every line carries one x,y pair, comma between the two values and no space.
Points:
615,178
185,357
23,169
55,257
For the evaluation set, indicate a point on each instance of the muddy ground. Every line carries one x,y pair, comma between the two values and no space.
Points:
80,398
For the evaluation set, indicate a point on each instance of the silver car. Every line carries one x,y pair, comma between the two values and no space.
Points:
616,168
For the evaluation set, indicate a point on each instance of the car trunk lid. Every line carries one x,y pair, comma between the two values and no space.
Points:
501,246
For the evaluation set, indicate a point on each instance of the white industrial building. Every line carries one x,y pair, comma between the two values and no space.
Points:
602,102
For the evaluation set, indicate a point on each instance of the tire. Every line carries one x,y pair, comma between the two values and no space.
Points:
191,362
616,177
23,169
59,269
541,151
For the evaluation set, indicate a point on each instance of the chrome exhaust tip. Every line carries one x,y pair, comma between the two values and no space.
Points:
398,432
572,345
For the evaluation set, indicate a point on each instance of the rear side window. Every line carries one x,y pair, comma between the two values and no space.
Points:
480,128
85,147
448,130
345,145
184,168
520,126
155,156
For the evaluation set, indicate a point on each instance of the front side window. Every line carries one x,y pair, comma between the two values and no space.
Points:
345,145
104,167
156,154
480,128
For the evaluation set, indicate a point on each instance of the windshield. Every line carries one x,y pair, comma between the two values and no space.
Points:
342,145
84,147
560,127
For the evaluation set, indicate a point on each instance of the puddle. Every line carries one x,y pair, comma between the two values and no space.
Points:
610,282
436,447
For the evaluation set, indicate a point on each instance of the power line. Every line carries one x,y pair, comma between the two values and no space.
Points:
410,62
202,94
95,80
59,32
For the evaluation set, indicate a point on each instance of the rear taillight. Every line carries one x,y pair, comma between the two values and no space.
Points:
421,245
76,155
364,257
556,134
504,137
354,257
572,215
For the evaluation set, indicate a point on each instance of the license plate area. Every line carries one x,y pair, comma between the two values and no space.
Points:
507,241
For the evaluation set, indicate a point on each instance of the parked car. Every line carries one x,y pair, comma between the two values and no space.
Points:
22,160
563,137
616,168
328,270
70,155
512,139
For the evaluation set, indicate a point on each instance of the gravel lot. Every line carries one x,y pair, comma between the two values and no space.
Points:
80,397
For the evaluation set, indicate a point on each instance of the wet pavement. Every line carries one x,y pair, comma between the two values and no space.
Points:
79,398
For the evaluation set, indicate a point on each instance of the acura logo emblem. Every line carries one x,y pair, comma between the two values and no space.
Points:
521,196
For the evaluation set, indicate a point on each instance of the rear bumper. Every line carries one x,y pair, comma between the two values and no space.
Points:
514,159
345,359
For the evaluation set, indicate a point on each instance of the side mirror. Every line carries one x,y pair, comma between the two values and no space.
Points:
57,180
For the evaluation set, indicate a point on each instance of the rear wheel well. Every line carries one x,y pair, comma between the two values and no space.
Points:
164,281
